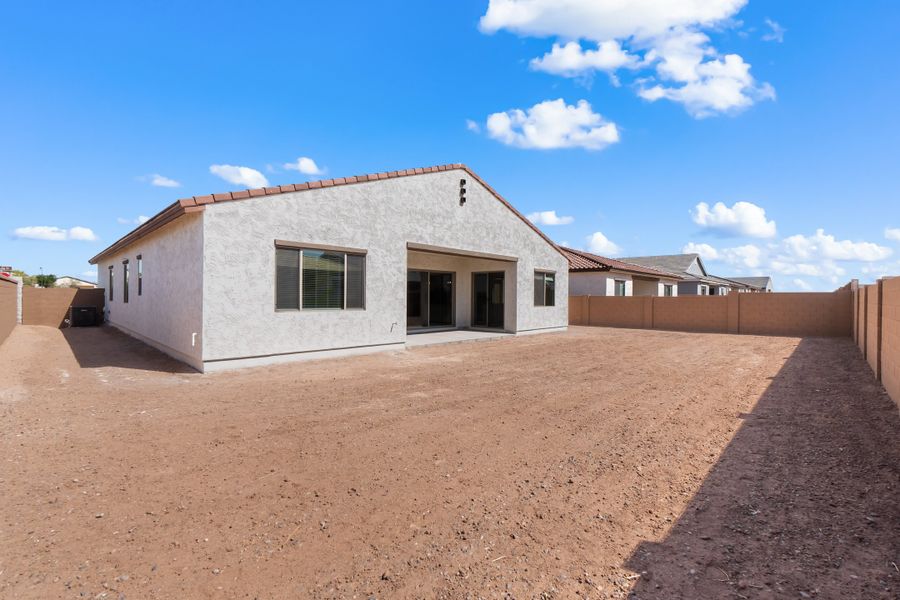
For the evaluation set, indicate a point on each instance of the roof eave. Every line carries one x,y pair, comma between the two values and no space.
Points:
198,203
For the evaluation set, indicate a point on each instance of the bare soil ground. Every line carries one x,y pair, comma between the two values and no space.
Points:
598,463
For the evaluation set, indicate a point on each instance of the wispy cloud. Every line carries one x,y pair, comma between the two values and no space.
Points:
159,180
549,217
54,234
237,175
140,220
473,126
892,233
776,32
304,165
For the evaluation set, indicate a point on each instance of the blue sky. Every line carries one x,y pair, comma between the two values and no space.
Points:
636,126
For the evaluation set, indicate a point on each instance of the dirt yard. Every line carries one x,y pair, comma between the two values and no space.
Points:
598,463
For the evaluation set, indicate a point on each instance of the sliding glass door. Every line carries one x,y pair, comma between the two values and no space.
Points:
429,299
487,300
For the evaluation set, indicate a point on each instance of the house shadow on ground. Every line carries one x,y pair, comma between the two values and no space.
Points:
106,346
804,502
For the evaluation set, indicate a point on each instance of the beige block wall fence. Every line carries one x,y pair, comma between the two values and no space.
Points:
869,314
876,330
800,314
9,304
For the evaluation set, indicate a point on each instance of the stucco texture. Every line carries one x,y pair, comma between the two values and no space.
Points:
167,313
382,217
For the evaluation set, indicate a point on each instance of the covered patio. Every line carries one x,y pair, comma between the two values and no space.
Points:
450,289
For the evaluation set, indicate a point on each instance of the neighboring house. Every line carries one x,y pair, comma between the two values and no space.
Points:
755,284
593,275
694,280
332,267
67,281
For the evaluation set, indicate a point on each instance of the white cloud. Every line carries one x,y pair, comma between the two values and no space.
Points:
163,181
892,233
553,124
549,217
714,87
140,220
824,246
55,234
91,275
743,218
82,234
305,165
600,244
801,284
776,32
668,32
705,251
749,256
244,176
571,61
473,126
159,180
603,19
827,268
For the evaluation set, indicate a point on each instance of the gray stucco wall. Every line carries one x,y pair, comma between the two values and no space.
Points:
239,318
601,283
168,312
688,288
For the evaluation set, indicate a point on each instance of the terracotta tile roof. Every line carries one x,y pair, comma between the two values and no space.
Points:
198,203
582,261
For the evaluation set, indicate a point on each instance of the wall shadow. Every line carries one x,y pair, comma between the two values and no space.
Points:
106,346
804,502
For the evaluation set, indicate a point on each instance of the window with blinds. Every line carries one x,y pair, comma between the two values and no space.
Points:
544,288
319,279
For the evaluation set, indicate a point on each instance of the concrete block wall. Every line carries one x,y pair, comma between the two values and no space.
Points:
50,306
861,319
691,313
9,307
620,311
801,314
890,337
873,327
877,331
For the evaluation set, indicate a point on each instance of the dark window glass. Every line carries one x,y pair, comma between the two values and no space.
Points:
544,289
111,283
323,279
549,289
356,281
125,282
667,290
287,278
620,287
140,274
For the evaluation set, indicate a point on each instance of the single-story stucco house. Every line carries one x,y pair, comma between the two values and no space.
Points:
755,284
68,281
332,267
594,275
694,279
